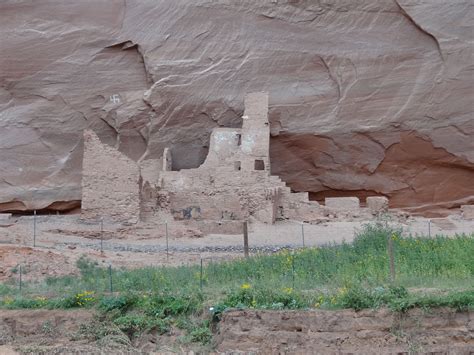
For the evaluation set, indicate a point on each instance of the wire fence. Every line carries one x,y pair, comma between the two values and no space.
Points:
53,232
47,231
389,262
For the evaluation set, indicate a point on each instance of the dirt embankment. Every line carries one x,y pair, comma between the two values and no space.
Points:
42,331
439,331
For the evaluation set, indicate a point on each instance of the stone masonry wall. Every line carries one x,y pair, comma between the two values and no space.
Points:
256,132
234,182
110,183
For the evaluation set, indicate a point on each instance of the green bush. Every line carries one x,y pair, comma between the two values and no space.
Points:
264,298
201,334
21,302
164,305
373,238
358,298
121,303
133,324
86,266
461,301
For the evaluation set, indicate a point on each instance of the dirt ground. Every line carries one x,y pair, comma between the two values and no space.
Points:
441,331
60,240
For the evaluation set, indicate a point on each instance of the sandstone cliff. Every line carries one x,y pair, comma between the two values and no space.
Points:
366,97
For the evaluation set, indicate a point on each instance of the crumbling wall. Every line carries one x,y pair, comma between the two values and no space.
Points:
149,176
297,206
167,160
150,170
256,133
232,185
234,182
110,183
224,148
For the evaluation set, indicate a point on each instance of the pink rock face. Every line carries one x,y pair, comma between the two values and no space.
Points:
366,97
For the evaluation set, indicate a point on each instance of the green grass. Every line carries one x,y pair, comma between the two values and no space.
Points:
350,275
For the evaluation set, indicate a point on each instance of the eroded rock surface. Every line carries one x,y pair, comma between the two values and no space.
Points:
346,331
367,97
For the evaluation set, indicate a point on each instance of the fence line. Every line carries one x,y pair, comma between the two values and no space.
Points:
258,236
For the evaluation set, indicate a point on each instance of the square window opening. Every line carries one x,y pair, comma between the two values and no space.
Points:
259,164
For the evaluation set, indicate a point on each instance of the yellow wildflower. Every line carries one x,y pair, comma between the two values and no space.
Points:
41,300
84,298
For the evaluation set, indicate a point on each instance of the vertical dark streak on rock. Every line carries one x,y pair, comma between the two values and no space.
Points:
332,77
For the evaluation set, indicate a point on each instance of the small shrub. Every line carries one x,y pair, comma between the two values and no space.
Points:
86,266
358,298
164,305
373,237
121,303
98,329
264,298
82,299
201,334
133,324
24,303
462,301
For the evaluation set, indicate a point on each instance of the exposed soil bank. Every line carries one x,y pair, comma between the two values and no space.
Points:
42,331
439,331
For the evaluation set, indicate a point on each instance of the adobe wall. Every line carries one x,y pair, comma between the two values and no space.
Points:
232,185
224,148
221,194
234,182
110,183
255,132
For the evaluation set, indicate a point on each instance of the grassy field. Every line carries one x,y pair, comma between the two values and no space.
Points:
429,272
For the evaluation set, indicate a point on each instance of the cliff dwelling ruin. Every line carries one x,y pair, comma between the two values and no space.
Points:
232,185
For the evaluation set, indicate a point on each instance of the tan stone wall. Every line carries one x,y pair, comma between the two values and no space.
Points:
377,204
343,203
167,160
150,170
220,194
220,206
255,132
227,186
110,183
297,206
232,185
224,147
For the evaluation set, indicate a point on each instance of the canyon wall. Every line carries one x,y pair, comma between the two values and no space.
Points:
369,97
